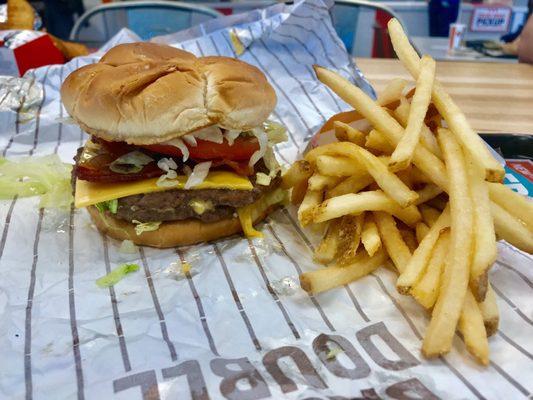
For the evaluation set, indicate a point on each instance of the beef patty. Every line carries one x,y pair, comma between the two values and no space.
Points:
175,204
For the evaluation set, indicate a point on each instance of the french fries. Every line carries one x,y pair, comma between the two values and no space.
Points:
370,236
402,155
511,229
427,288
426,161
485,251
339,166
325,279
321,182
366,201
310,200
472,326
298,192
328,247
447,310
392,240
353,184
517,205
299,172
350,233
426,136
377,142
490,312
420,258
454,117
412,196
430,215
421,230
392,92
345,132
390,183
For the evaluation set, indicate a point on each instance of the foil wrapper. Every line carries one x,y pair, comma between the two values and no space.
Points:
222,320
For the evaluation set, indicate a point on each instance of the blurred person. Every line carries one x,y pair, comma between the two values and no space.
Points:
525,43
59,16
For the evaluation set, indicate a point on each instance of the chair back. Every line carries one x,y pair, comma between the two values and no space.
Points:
361,24
146,18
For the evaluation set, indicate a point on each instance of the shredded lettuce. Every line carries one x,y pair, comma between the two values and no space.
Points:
166,164
127,247
130,163
262,138
141,227
116,275
198,175
276,133
46,176
262,179
109,205
177,142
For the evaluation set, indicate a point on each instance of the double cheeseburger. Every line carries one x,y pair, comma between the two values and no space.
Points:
180,148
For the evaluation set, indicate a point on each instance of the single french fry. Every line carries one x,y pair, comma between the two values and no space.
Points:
490,312
339,166
353,184
426,136
402,155
517,205
376,141
318,281
328,247
447,310
416,266
426,161
421,230
454,117
428,192
298,192
426,290
430,215
392,92
472,328
485,251
321,182
305,211
370,235
365,201
392,240
299,171
351,233
511,229
347,133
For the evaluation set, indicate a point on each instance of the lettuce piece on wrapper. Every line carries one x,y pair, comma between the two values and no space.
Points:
116,275
46,176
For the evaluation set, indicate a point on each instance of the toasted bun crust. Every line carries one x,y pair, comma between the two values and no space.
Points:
169,234
146,93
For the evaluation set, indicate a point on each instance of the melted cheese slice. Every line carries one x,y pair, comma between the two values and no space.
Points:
90,193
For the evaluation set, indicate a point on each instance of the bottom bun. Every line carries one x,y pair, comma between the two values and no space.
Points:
172,233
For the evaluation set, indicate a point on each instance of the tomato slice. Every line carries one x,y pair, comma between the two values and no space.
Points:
242,149
239,167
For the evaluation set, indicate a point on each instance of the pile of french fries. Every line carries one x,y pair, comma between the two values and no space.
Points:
412,186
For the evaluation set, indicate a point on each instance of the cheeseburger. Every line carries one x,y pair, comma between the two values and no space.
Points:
180,147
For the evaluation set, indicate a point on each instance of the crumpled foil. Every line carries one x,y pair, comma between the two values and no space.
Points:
224,319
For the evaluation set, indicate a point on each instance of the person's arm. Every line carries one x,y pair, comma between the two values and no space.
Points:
525,45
